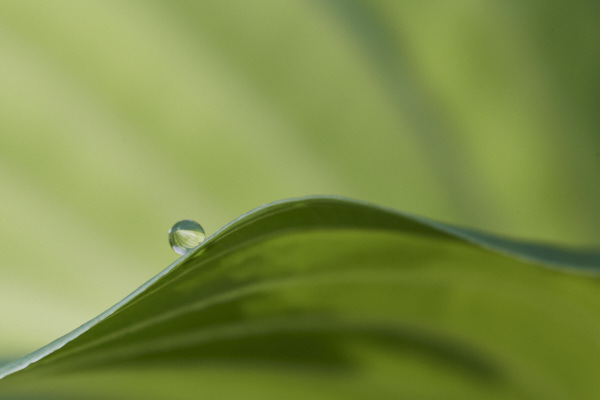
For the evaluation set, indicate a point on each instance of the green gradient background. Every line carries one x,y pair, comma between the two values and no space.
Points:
118,118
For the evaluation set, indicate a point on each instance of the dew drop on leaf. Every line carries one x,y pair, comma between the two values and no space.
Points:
185,235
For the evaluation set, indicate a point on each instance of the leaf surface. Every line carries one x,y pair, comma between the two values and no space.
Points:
323,297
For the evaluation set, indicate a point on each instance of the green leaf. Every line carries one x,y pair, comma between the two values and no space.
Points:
327,298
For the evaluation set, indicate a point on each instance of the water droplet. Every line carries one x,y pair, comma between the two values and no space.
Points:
185,236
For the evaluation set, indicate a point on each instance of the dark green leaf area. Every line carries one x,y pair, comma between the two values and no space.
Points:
354,305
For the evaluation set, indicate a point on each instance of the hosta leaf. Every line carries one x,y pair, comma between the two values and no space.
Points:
328,298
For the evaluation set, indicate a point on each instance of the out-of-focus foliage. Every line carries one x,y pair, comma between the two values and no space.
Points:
323,298
118,118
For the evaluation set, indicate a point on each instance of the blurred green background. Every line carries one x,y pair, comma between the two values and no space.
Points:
118,118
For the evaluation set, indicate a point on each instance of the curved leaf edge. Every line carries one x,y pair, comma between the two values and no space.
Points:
583,261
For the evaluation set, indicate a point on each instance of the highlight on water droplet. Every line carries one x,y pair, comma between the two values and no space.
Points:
185,236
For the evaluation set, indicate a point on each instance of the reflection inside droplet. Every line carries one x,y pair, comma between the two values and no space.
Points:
185,236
